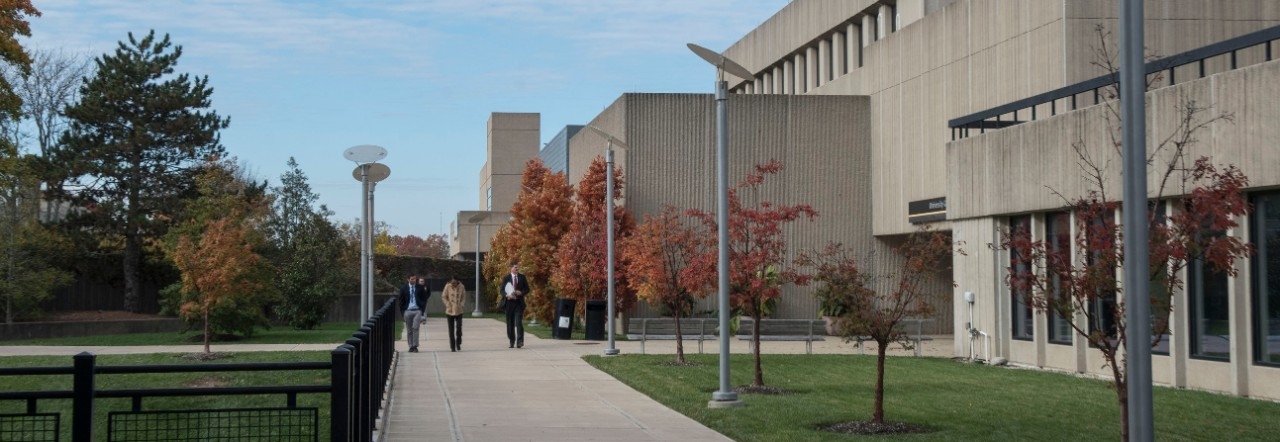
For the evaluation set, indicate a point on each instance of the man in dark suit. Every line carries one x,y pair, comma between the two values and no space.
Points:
514,287
413,307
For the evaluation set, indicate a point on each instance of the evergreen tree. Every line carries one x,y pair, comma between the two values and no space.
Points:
136,139
307,251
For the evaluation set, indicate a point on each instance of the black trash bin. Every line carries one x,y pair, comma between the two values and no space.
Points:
597,313
563,326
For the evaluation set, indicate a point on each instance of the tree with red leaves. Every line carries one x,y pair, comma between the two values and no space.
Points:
539,217
758,266
849,292
582,258
434,246
657,254
1049,278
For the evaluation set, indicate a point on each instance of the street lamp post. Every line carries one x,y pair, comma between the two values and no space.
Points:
611,350
368,172
476,219
725,397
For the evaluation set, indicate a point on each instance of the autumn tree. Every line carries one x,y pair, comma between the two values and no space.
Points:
13,24
1194,205
539,217
308,251
225,283
758,259
657,255
433,246
581,270
869,298
136,137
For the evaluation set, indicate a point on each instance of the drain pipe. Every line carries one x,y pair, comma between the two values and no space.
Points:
974,333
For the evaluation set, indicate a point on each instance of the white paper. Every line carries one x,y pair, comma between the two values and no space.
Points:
510,289
564,322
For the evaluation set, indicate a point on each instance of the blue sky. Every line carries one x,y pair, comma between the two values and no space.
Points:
309,79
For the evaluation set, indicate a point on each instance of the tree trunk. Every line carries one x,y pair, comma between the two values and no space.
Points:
1122,396
679,338
207,307
132,257
755,346
878,415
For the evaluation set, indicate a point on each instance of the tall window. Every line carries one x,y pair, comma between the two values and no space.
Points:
1208,310
488,199
1266,282
1057,232
1101,234
1160,298
1023,323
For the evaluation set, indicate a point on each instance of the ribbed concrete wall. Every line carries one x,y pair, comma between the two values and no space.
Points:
822,140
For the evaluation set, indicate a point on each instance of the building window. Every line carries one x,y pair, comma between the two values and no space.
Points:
1023,317
1057,233
488,199
1101,233
1208,310
1161,301
1266,282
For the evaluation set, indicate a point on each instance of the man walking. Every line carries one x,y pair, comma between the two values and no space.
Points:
514,287
413,305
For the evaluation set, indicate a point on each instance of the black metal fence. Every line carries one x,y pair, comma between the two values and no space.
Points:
358,371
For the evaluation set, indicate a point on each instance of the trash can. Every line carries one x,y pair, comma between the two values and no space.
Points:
597,313
563,326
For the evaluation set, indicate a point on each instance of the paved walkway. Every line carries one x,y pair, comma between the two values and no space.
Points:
544,391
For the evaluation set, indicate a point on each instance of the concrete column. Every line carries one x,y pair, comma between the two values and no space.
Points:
767,78
853,38
811,68
824,62
800,73
868,30
884,22
788,77
778,80
839,64
749,87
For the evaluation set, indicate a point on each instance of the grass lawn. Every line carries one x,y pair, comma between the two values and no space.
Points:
958,401
170,380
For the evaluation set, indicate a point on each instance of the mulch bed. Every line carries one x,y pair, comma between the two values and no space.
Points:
872,428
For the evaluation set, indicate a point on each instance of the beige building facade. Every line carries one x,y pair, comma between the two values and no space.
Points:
512,140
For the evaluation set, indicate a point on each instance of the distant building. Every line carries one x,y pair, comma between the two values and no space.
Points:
512,140
555,155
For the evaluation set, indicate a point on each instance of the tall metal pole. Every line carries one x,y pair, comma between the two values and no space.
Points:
608,198
725,397
364,244
477,311
1137,300
369,221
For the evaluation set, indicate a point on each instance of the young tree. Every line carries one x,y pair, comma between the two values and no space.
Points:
758,266
870,302
135,139
656,256
1049,278
307,250
582,257
225,284
28,250
539,217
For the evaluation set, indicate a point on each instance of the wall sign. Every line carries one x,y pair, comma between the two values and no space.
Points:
924,211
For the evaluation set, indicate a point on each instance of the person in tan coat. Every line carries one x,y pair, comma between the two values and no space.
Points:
455,300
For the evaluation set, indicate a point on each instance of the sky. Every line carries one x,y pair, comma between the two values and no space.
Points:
310,79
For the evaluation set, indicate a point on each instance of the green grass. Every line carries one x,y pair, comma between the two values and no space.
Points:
333,332
957,401
170,380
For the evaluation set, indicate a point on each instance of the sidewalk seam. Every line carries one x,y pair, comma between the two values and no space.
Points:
448,400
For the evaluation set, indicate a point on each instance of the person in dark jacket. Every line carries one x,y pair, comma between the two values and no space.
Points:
413,307
514,287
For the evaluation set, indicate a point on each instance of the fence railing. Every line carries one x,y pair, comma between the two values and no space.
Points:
1014,113
358,369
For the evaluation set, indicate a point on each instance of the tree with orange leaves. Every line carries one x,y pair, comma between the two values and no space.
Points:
539,217
218,267
657,254
582,259
758,266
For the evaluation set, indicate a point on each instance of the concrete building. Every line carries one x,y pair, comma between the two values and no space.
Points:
555,154
512,139
922,64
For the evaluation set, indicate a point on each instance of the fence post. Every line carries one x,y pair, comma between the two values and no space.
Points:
340,395
360,390
82,398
